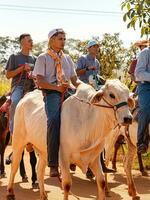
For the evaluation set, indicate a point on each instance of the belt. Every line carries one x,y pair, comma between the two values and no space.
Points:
45,91
147,82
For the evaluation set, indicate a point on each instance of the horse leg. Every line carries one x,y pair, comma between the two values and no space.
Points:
141,166
17,153
2,167
116,148
33,162
22,169
40,175
96,169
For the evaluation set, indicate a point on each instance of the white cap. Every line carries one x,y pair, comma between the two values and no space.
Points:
52,32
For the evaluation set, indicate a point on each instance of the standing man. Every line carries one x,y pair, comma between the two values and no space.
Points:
88,70
54,70
142,75
88,65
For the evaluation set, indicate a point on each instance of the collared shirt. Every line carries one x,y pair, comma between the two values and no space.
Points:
45,66
86,61
142,70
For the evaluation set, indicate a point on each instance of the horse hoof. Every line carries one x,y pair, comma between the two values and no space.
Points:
3,175
35,185
10,197
25,179
107,194
136,198
44,198
144,173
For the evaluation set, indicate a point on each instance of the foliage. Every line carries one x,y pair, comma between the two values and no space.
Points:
137,12
111,56
114,58
8,46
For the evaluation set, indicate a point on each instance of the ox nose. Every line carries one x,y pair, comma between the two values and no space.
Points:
128,120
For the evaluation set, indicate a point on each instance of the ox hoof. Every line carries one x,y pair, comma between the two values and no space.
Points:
73,167
10,197
89,174
144,173
136,198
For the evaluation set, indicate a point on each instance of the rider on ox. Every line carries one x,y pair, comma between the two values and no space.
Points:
141,45
142,75
54,70
88,68
18,68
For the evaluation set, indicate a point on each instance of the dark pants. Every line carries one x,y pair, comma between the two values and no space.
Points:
144,112
53,108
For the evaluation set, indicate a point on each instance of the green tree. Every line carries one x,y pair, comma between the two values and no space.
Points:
8,46
137,12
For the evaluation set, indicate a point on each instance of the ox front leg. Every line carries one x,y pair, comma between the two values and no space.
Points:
97,171
40,175
17,154
128,163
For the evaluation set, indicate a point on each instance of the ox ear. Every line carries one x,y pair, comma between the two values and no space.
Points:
131,103
97,97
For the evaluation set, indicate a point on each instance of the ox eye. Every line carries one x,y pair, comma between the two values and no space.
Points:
112,96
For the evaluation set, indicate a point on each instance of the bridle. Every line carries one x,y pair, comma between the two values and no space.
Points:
114,107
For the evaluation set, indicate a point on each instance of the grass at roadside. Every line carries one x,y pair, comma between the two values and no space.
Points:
4,86
145,158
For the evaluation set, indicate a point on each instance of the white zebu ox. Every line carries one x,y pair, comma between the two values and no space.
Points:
84,127
131,139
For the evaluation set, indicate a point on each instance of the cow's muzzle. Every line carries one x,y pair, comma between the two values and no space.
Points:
127,120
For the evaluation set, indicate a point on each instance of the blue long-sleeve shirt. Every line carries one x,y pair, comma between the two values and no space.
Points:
142,70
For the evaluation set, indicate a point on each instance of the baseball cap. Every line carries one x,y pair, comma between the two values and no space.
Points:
56,30
92,43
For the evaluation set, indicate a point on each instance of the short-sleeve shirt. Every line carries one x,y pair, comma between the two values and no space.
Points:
142,70
15,61
84,62
46,66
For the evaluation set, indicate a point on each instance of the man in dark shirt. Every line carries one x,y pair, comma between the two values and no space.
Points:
18,68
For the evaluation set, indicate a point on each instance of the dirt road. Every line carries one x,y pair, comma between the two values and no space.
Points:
82,187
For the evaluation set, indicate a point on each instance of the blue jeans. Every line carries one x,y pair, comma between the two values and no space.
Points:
144,111
16,95
53,110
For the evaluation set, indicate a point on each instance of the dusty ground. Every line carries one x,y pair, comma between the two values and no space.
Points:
82,187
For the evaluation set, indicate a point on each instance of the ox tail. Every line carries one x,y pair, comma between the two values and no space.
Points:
87,154
92,147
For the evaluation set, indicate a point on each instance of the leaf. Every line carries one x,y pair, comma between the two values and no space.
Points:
128,26
128,6
125,17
